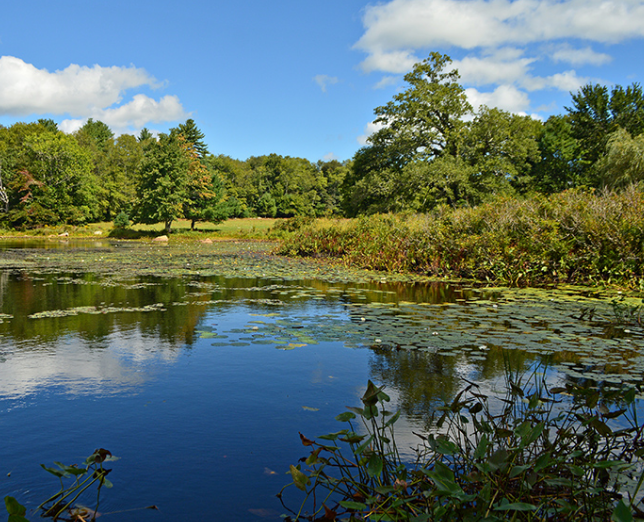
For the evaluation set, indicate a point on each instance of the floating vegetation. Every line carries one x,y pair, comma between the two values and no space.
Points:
158,307
592,334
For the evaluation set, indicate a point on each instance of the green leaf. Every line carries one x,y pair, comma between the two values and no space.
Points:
14,507
516,506
345,417
299,479
72,470
481,449
622,513
56,472
350,504
374,466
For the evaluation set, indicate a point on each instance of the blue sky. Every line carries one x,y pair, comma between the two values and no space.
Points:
296,77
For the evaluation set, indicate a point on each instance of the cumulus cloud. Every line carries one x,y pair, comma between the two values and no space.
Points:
390,61
386,81
324,81
400,26
502,66
566,53
330,156
83,92
369,129
502,45
504,97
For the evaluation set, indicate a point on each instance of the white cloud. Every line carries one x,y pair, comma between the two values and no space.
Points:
83,92
503,66
565,81
369,129
330,157
504,97
386,81
324,81
568,54
393,62
401,26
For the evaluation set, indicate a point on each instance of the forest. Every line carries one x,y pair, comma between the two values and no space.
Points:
431,149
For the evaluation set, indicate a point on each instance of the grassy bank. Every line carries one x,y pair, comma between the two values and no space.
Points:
573,237
250,228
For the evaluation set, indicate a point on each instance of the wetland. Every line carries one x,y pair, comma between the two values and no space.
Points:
198,364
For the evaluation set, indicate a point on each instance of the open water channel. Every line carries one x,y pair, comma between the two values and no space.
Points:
198,365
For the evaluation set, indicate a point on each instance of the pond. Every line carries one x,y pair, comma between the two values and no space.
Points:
198,364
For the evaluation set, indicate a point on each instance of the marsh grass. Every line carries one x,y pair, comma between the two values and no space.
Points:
573,237
536,453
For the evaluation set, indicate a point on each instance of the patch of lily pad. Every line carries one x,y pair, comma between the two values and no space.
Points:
307,303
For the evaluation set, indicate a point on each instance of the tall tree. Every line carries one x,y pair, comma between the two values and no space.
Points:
502,147
163,188
560,166
194,136
205,192
623,163
95,132
54,183
596,113
426,119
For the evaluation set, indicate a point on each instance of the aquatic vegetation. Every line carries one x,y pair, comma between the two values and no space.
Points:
62,504
535,453
573,237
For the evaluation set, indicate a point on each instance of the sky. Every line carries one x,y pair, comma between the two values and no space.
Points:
296,77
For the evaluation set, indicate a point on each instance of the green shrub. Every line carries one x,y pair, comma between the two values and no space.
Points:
122,221
573,237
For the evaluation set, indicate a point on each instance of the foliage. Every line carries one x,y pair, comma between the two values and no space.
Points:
425,120
80,479
194,136
426,153
163,189
52,183
596,113
122,221
205,201
574,237
623,163
537,453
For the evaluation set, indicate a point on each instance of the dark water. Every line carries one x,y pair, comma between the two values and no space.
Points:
201,384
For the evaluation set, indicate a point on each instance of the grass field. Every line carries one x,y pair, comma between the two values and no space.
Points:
249,228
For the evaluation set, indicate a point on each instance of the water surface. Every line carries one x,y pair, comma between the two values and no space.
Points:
198,366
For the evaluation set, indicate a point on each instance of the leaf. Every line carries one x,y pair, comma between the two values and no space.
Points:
14,507
56,472
308,408
374,466
305,441
516,506
350,504
299,479
72,470
345,417
622,513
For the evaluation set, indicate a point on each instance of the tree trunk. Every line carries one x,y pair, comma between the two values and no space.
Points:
168,224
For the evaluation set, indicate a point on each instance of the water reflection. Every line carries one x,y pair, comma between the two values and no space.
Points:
202,383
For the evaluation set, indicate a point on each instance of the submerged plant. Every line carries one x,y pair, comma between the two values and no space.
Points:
537,453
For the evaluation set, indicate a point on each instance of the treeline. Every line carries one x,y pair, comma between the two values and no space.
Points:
431,149
48,177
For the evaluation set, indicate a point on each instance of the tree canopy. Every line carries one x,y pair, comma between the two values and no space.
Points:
430,148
